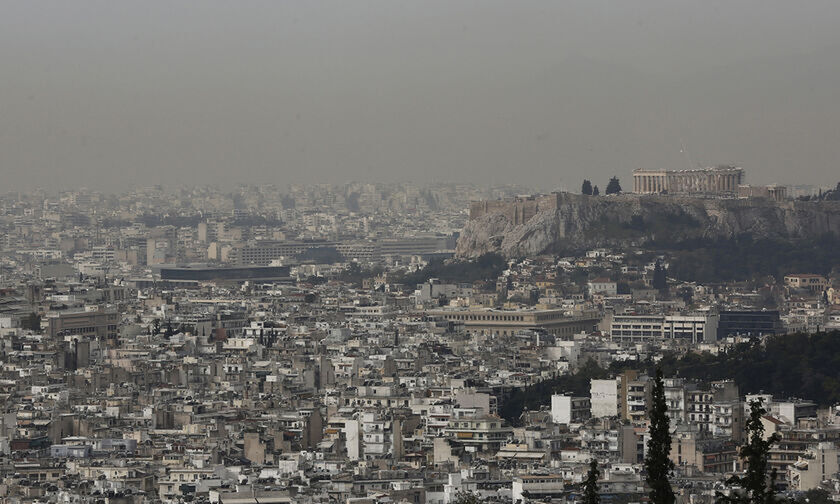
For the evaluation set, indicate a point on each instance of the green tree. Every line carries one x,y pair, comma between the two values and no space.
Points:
753,487
590,486
466,498
586,188
687,294
658,464
596,191
815,496
660,281
613,187
32,322
316,280
486,267
539,394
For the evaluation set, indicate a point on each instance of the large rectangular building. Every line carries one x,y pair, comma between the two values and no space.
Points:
263,253
238,273
749,323
642,328
489,321
100,324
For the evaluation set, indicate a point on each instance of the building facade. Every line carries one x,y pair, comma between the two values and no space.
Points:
485,321
642,328
566,409
714,180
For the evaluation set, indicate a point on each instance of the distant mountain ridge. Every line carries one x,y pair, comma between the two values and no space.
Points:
565,222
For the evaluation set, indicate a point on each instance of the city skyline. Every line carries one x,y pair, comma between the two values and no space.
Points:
419,252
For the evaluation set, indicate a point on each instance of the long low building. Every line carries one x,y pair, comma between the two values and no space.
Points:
263,253
749,323
489,321
235,273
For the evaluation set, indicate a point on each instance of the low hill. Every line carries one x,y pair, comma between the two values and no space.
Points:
578,222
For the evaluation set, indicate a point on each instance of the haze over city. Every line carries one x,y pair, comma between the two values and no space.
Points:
107,95
419,252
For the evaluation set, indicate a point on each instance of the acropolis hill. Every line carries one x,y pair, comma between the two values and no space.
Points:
562,222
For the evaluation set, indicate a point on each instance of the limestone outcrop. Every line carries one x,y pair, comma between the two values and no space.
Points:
575,222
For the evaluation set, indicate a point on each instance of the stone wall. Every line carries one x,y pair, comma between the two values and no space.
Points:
517,210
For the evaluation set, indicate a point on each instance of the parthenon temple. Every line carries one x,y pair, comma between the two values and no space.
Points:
718,179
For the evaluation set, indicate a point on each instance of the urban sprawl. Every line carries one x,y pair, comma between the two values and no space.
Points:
319,344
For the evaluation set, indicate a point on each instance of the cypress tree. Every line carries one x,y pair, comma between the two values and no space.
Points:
586,188
590,486
753,487
658,465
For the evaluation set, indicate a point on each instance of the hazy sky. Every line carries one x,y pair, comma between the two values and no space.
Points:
107,94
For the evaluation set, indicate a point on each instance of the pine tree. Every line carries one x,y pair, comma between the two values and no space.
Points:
613,187
590,486
753,487
658,465
586,188
595,191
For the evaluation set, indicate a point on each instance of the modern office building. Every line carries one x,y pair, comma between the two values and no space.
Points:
749,323
640,328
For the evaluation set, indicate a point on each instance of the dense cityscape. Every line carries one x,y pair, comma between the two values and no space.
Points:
419,252
439,343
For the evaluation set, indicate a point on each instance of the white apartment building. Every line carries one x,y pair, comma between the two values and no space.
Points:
603,398
642,328
566,409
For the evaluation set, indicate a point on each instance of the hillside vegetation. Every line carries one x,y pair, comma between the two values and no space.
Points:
797,365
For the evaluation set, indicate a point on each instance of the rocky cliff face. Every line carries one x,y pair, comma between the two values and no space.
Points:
582,222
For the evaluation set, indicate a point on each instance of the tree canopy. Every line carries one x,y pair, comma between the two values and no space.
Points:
660,281
793,365
613,187
744,257
486,267
32,322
